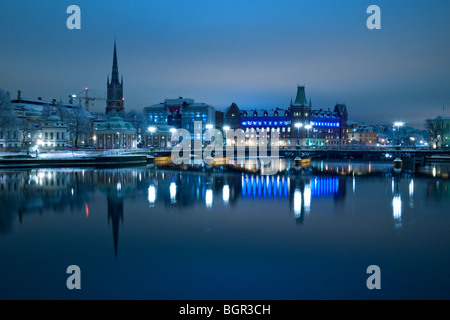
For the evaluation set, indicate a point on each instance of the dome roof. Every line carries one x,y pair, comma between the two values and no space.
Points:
115,123
54,118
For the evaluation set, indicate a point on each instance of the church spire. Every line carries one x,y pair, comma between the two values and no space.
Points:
115,67
115,99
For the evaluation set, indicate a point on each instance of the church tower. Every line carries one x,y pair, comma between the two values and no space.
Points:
300,109
115,100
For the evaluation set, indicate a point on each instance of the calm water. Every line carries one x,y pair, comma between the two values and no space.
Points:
149,233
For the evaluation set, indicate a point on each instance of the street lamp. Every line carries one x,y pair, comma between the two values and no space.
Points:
152,130
308,127
226,128
398,124
298,125
398,163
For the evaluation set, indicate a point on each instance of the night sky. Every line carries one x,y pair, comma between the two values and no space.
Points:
253,53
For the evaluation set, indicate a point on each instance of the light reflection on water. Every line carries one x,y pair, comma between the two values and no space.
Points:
256,232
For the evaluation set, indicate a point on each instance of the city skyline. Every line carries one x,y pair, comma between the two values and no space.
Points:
225,52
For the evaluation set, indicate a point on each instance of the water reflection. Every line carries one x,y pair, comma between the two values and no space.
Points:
226,193
25,192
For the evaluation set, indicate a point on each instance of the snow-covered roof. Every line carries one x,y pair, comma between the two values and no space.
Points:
115,123
53,118
269,112
362,128
324,114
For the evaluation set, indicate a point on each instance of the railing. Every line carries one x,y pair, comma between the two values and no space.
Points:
118,152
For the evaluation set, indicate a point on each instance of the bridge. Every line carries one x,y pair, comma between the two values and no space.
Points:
348,152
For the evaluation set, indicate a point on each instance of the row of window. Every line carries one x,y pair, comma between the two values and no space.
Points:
266,113
10,145
284,129
325,124
52,145
59,135
14,135
7,134
266,123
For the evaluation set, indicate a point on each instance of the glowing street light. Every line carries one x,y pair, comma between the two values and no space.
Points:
398,124
298,125
308,127
152,130
226,128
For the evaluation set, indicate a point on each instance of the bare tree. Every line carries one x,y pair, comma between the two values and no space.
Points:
28,132
138,120
435,128
8,118
78,123
47,111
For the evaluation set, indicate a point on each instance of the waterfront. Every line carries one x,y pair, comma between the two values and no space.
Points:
156,233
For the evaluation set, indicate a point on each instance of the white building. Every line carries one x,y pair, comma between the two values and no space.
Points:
10,139
115,134
53,133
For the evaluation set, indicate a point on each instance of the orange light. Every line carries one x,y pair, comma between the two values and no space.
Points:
87,210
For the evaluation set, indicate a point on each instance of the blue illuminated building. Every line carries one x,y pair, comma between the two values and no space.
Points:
298,124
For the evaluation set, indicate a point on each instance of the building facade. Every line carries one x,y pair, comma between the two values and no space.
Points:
265,124
53,134
10,139
363,135
180,113
115,134
232,116
299,124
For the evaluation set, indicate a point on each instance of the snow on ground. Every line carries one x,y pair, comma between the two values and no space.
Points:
54,155
68,154
2,154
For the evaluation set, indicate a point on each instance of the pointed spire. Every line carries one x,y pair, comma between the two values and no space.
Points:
115,67
310,104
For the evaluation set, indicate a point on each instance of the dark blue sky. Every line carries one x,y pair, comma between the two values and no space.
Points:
253,53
